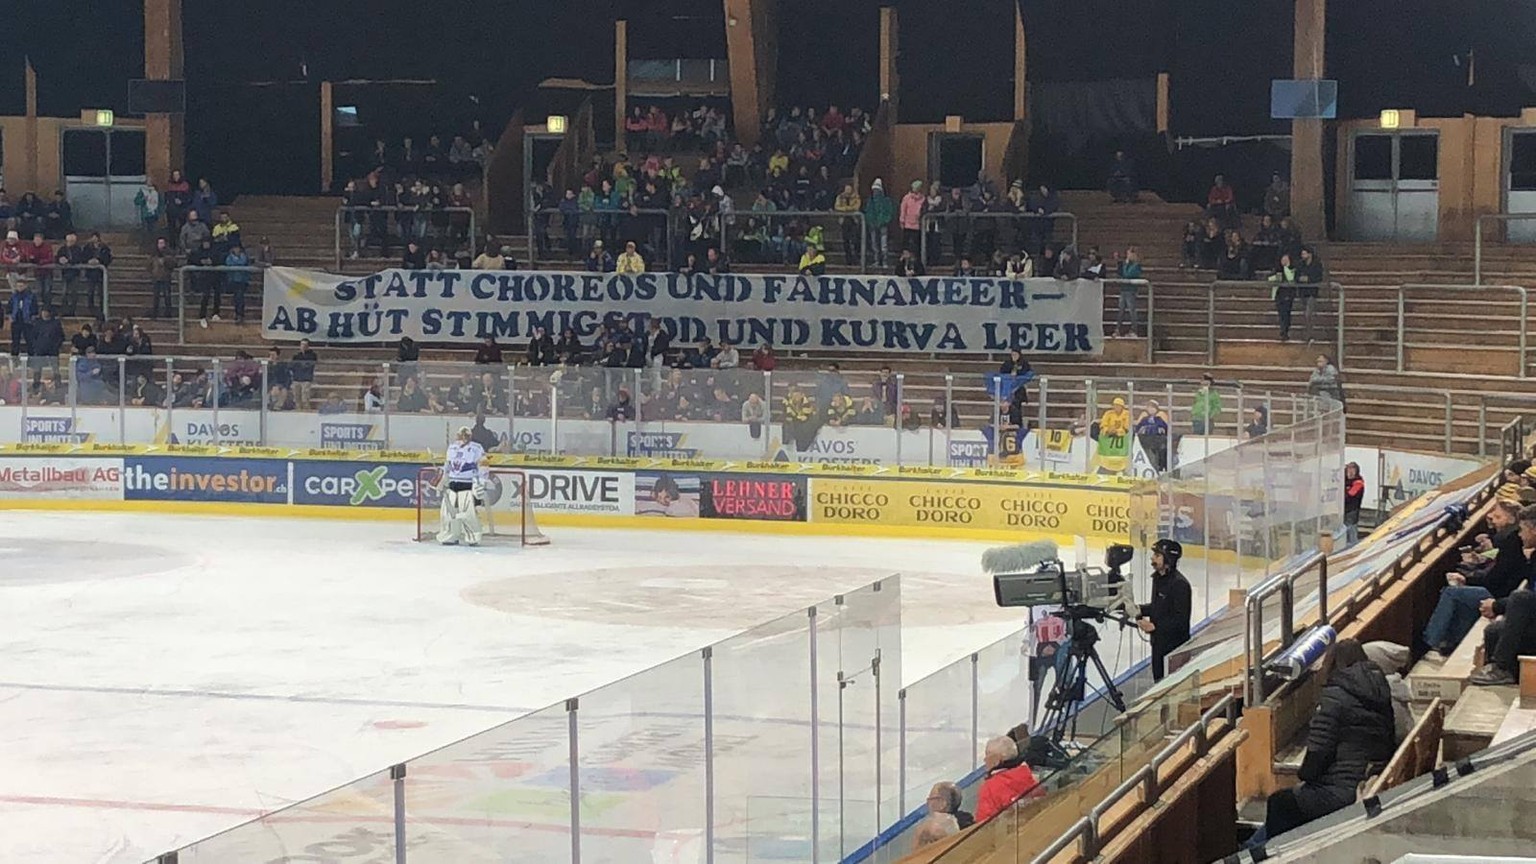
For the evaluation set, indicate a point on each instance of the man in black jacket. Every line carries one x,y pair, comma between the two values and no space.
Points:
1458,606
1505,640
1351,733
1166,618
47,342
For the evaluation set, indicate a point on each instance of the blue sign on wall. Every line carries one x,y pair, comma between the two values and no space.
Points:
355,484
205,478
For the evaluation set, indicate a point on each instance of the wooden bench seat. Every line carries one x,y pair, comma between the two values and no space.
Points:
1447,679
1475,720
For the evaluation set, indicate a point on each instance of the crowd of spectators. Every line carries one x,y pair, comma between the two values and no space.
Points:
659,127
385,213
797,165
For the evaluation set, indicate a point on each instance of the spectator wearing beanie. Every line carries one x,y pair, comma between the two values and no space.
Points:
879,211
912,217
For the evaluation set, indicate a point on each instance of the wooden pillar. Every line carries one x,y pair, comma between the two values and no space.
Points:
752,49
1307,135
1020,67
29,178
890,79
1162,103
164,134
620,80
327,137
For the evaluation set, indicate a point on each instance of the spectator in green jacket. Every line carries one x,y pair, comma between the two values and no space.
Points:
1207,408
879,210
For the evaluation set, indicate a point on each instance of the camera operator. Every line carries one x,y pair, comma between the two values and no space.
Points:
1166,618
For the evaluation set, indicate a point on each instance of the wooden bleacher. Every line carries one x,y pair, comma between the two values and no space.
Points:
1474,720
1458,344
1446,679
1417,755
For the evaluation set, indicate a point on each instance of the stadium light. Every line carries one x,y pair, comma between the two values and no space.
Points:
555,124
1391,118
98,117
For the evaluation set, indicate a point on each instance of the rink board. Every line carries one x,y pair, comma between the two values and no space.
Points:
688,494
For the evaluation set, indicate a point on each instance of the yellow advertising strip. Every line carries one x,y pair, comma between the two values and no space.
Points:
1013,511
545,460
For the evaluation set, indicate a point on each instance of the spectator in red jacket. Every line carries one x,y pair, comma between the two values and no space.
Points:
1221,202
1008,779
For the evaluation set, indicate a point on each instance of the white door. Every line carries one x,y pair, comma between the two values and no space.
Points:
1394,192
1520,183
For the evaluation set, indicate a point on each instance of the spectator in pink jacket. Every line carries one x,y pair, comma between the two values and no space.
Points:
911,218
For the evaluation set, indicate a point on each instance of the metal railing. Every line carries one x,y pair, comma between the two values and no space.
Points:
610,226
1283,585
72,276
735,231
421,225
1512,440
1030,223
215,288
1210,310
1402,310
1477,241
1085,831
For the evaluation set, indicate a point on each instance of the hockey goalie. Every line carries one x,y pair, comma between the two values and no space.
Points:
462,489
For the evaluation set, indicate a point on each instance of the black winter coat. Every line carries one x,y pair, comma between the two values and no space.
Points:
1351,732
1510,566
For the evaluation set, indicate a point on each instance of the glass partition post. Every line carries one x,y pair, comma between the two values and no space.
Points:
122,396
1042,416
384,389
554,420
170,393
901,400
767,434
216,386
25,371
947,413
1090,408
1130,434
1266,485
637,401
262,418
997,425
511,371
1168,454
1296,477
73,392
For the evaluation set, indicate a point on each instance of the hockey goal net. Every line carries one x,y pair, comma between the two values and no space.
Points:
505,516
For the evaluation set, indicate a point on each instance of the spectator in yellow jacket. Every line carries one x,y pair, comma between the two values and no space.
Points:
841,410
1117,420
630,263
800,421
813,262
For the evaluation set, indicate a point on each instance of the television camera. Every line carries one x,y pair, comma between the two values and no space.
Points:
1032,574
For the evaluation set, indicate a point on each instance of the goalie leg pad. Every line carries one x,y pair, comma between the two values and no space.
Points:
461,521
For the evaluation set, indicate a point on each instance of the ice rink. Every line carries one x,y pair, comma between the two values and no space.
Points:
167,677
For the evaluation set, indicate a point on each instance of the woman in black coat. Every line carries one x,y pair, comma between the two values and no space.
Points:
541,349
1351,736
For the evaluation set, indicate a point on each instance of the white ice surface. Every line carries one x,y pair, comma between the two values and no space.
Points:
166,677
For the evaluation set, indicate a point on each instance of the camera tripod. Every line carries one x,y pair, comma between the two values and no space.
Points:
1068,692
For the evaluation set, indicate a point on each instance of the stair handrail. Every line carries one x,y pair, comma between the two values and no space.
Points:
1086,830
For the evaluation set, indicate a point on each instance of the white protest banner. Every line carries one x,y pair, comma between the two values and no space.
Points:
868,313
